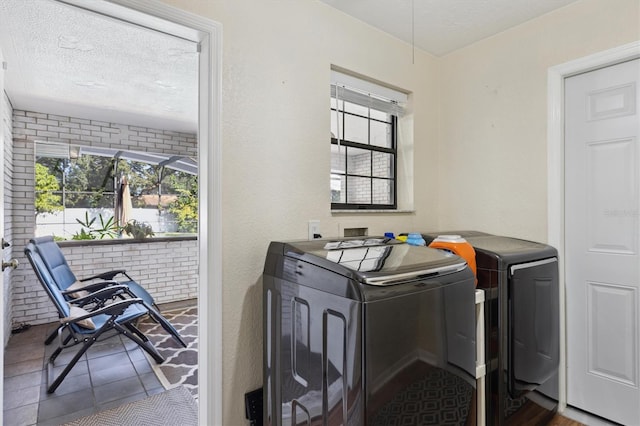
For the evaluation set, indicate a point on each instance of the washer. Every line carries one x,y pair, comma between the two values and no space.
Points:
367,332
522,319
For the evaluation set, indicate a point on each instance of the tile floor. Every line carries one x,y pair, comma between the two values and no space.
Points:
114,371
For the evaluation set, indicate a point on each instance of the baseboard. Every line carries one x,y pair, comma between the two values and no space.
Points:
585,418
178,304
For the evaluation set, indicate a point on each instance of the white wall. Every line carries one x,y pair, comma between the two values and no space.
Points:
277,56
494,115
479,127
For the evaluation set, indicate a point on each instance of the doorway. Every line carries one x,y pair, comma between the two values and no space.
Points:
586,180
206,34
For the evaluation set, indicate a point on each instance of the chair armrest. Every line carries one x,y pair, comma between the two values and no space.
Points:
105,275
91,287
116,308
105,293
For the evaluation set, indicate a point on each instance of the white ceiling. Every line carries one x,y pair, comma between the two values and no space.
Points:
66,61
442,26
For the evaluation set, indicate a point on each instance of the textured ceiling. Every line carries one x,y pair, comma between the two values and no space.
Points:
442,26
67,61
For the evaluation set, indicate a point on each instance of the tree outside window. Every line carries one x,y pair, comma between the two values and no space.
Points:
76,190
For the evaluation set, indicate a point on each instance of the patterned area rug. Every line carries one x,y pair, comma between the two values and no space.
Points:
173,407
440,398
181,364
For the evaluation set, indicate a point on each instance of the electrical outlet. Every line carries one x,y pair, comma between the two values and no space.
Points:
314,229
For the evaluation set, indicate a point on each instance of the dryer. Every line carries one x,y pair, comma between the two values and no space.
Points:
522,323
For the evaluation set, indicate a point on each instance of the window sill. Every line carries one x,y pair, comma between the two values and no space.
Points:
367,211
118,241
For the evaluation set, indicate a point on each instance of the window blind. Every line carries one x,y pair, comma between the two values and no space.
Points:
366,93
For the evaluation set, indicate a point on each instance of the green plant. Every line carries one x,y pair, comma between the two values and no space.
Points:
107,229
185,208
83,235
138,230
47,189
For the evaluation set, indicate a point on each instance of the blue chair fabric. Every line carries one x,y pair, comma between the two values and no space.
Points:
63,276
119,315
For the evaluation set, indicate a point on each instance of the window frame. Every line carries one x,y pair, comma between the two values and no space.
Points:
393,151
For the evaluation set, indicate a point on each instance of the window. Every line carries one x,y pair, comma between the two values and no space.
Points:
364,143
80,192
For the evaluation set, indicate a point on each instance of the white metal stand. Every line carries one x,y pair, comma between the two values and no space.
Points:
481,368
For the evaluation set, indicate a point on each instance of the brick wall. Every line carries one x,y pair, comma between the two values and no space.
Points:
359,189
166,269
54,128
382,167
151,263
369,164
6,129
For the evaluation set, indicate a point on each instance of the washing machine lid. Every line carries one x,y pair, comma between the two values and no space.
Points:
376,261
498,252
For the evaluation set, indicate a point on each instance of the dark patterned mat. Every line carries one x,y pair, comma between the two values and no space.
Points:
438,398
173,407
181,364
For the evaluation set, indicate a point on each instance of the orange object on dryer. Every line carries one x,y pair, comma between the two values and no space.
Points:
457,245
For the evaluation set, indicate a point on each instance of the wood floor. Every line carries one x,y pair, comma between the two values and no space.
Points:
533,415
558,420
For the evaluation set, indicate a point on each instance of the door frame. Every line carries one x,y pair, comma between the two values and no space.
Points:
555,170
164,18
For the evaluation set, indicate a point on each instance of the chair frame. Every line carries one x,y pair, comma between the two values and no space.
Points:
120,313
106,281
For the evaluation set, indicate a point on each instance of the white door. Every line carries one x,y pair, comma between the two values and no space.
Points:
602,240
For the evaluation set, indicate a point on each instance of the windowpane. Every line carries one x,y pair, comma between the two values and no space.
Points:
338,192
340,104
379,115
89,173
334,125
48,202
356,109
356,129
51,168
381,134
358,190
363,164
382,191
338,159
176,182
89,200
382,165
358,161
77,184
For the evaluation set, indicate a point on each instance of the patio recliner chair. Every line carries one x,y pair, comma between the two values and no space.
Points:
65,278
71,288
81,327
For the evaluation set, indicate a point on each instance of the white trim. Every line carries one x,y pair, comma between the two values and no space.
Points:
555,169
161,17
368,87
